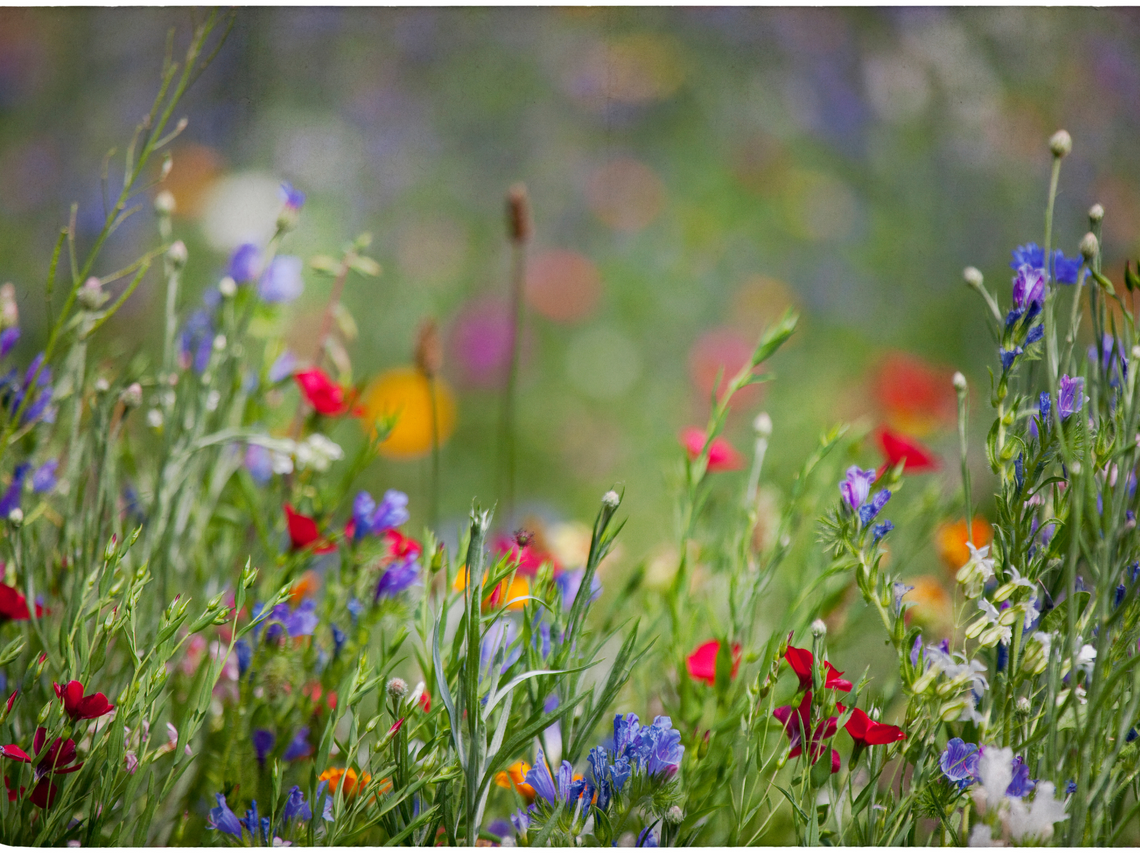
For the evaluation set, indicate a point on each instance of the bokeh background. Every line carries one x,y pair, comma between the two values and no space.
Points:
692,173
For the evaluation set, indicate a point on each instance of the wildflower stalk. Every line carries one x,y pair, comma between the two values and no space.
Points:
963,414
519,231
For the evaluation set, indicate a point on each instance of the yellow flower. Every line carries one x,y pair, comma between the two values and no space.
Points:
406,393
514,777
519,587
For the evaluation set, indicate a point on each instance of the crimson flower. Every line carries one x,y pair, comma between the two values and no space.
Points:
797,722
866,731
402,547
722,456
801,661
55,762
303,532
702,661
79,707
898,448
325,396
14,606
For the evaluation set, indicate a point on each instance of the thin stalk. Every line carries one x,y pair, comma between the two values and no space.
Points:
507,437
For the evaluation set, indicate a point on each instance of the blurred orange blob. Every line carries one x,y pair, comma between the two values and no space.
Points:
951,540
195,169
406,393
915,396
352,784
308,584
514,777
625,194
503,593
563,285
932,605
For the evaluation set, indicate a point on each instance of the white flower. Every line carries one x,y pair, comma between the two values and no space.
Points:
974,573
981,835
1034,822
989,628
1086,659
995,774
317,452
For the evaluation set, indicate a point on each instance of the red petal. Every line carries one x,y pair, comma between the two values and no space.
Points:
801,662
12,699
94,706
702,661
15,752
302,529
325,396
43,794
13,606
898,448
722,456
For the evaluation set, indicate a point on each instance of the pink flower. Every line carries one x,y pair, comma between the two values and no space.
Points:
722,456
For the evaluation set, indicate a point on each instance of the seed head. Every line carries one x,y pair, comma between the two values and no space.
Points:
973,277
1090,246
397,688
1060,143
959,381
518,213
818,628
429,349
177,254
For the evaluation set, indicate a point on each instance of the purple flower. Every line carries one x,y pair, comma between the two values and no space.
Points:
626,730
223,819
302,620
245,263
400,575
959,762
871,510
856,486
298,747
543,783
880,530
1064,269
263,742
1028,288
10,501
8,339
570,581
251,822
521,821
1071,397
500,828
1035,334
1043,406
368,518
291,196
283,367
499,637
1070,787
1021,785
43,479
916,650
1118,597
900,591
1008,357
281,281
259,462
647,838
657,747
244,655
296,807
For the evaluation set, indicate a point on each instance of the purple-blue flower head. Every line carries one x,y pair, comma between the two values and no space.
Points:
296,807
263,742
1071,397
871,509
298,747
520,819
10,501
224,819
281,281
1065,270
1021,785
370,518
339,638
245,263
251,821
856,486
8,339
400,575
291,196
626,729
1028,287
43,479
1035,334
244,655
570,581
959,762
657,747
880,530
553,792
901,590
1008,357
647,838
302,620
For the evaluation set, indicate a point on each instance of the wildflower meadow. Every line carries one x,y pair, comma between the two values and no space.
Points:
216,631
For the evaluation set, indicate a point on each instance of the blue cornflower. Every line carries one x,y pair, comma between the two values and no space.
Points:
298,747
283,367
263,742
856,486
871,509
570,581
400,575
8,339
959,762
1071,397
554,789
281,281
10,501
296,807
245,263
1021,785
1029,289
224,819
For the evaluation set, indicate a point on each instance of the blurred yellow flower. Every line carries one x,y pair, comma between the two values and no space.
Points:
514,777
951,541
406,393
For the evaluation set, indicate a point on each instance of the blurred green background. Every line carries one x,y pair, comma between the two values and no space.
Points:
692,172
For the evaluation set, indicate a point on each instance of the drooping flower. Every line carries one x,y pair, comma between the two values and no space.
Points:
323,395
224,819
13,605
866,731
974,574
1071,397
79,707
856,486
802,660
59,760
797,722
722,456
281,282
900,449
702,661
304,533
263,742
399,576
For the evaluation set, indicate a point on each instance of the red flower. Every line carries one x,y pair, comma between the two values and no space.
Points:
914,395
801,661
303,532
898,448
55,762
702,661
13,605
425,700
325,396
722,456
797,722
79,707
400,546
865,731
529,557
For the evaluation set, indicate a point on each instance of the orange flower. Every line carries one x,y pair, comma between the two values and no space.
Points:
308,584
951,540
518,587
514,777
407,393
932,605
352,783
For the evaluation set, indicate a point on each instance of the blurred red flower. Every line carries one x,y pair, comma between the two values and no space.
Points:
722,456
13,605
325,396
915,396
702,661
898,448
303,532
797,722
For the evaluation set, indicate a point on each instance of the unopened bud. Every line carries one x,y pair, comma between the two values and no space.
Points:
518,213
1060,143
1096,213
164,203
102,384
674,815
1075,468
429,349
132,396
1090,246
973,277
16,516
959,381
818,628
437,559
611,500
1023,705
397,688
703,746
227,287
178,254
762,424
90,295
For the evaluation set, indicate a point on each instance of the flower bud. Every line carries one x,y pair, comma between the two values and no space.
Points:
518,214
1096,213
16,517
674,815
429,349
1022,705
177,254
227,287
950,710
762,424
397,688
1090,246
437,559
90,294
818,628
1060,143
132,396
154,418
111,547
164,203
611,500
959,381
102,384
973,277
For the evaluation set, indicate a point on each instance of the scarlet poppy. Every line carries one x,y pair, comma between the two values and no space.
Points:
14,606
325,396
303,532
801,661
702,661
866,731
722,456
77,706
898,448
797,722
